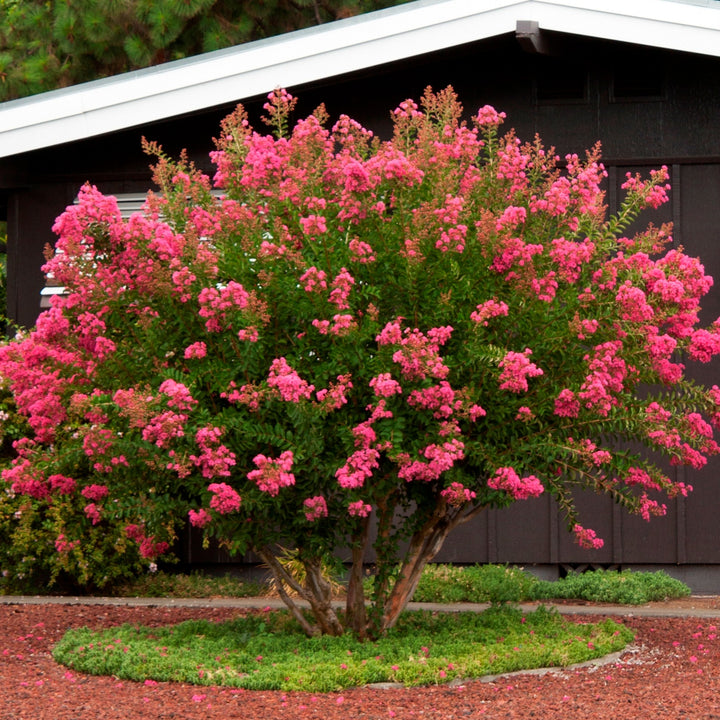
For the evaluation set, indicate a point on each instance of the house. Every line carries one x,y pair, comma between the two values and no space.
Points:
643,76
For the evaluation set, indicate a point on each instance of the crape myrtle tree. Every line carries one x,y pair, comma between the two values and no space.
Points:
406,332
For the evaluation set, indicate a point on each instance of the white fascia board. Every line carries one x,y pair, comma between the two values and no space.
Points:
326,51
223,77
666,24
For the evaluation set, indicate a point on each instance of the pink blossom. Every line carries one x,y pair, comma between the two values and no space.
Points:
342,325
516,368
162,428
92,513
512,217
63,545
384,386
341,286
316,508
456,494
94,492
273,474
703,345
199,518
358,468
587,538
440,458
524,414
515,253
438,398
489,116
249,334
570,256
362,252
507,479
489,309
225,500
335,396
215,459
359,509
287,382
196,351
64,485
314,280
313,225
150,549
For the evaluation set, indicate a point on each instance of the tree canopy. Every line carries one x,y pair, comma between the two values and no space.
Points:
46,44
357,343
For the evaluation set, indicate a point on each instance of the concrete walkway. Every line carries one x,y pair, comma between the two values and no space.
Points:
687,607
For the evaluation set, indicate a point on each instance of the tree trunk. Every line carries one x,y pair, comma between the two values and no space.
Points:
319,595
317,592
424,545
282,577
355,600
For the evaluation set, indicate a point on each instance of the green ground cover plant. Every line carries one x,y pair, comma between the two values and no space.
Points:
269,651
502,583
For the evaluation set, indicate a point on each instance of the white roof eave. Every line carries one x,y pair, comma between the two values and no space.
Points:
330,50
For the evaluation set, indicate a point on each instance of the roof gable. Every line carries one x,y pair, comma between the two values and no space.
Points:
326,51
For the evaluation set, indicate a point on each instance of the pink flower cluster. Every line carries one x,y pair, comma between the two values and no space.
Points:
418,354
570,256
516,369
358,508
63,545
567,404
215,459
224,500
507,479
456,494
180,397
385,386
341,287
361,463
93,513
95,492
315,508
290,386
314,280
489,309
215,305
162,428
273,474
313,225
440,458
335,396
196,351
606,378
200,518
587,538
64,485
438,398
489,116
653,192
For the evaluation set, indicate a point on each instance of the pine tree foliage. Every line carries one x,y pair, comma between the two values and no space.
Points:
47,44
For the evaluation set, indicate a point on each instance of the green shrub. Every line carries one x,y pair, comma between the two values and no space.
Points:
624,588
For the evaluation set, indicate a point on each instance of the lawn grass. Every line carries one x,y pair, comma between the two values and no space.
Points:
268,651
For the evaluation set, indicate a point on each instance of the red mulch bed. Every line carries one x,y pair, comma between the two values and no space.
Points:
673,672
